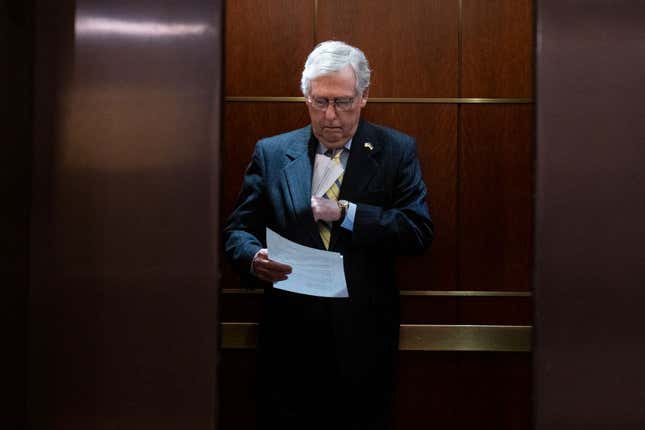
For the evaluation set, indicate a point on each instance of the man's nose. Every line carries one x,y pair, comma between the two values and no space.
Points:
330,112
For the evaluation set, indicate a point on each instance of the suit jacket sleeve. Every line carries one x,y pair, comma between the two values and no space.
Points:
246,225
403,225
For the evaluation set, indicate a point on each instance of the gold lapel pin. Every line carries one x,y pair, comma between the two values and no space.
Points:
368,146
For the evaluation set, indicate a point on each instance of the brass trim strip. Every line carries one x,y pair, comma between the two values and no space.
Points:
466,293
238,335
434,293
264,99
422,100
416,337
494,338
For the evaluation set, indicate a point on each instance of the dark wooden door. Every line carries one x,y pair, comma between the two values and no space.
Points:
123,243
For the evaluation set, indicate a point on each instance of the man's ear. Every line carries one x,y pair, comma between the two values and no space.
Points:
364,97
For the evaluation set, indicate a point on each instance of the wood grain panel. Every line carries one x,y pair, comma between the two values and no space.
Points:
426,395
496,197
228,277
435,128
412,46
267,43
241,307
497,48
494,391
238,385
495,310
428,310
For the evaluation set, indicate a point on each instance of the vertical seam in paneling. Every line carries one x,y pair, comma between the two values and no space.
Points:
459,48
458,210
315,26
459,159
534,154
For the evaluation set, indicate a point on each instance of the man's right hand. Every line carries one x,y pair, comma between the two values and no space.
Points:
267,269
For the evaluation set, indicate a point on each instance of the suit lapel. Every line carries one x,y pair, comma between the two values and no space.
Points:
297,175
363,163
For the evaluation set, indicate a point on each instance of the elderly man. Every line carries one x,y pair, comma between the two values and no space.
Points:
328,362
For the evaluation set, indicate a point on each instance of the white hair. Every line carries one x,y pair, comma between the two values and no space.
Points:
332,56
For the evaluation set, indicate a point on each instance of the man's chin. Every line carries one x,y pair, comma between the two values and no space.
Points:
334,138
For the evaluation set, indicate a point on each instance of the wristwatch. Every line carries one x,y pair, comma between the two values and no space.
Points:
343,205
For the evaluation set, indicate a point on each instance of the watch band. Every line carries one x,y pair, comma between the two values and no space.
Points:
343,205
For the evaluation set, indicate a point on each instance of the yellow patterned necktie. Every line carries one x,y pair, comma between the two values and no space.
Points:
332,194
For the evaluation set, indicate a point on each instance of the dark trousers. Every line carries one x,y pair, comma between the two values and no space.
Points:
321,368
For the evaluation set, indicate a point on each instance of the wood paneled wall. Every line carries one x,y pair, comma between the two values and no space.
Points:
477,159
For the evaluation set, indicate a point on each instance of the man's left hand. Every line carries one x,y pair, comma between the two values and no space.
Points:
325,209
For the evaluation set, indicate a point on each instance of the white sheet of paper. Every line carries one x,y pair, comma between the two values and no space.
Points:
326,171
314,272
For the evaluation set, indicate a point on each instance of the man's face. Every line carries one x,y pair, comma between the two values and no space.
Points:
331,126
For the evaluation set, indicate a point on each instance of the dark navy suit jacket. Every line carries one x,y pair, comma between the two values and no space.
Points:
382,177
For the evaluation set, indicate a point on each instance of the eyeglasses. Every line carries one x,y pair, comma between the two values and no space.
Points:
341,104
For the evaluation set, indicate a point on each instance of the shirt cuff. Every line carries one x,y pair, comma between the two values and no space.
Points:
251,270
348,222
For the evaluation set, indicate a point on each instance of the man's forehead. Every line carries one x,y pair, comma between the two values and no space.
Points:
336,82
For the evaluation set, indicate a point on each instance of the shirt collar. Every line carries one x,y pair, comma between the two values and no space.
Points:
321,149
